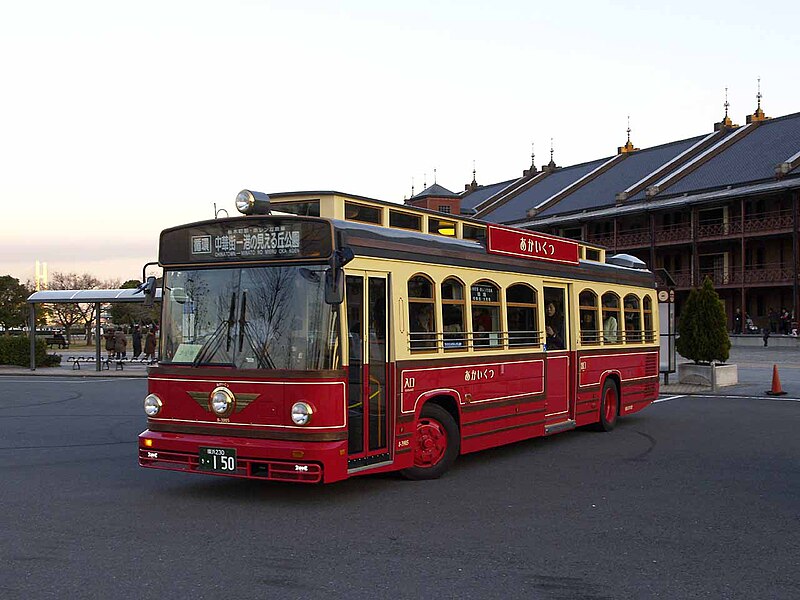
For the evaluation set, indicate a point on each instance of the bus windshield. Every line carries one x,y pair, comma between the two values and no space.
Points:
271,317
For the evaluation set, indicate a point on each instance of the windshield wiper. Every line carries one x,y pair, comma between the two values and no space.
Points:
213,343
245,332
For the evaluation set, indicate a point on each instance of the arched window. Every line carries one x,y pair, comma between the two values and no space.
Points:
522,316
421,314
453,314
633,320
611,318
590,332
485,297
647,310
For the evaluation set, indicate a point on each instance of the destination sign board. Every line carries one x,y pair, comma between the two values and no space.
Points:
531,245
249,239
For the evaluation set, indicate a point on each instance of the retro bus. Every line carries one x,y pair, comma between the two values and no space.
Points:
322,336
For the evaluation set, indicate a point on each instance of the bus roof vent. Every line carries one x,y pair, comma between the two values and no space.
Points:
626,260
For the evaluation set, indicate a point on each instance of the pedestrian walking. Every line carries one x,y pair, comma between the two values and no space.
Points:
136,337
766,336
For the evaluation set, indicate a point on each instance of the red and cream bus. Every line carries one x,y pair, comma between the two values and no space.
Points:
331,336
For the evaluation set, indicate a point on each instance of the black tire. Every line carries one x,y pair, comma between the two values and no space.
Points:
435,427
609,406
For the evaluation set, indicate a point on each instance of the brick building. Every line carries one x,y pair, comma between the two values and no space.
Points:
722,204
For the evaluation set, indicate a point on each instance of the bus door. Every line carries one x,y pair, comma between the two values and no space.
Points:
368,406
557,356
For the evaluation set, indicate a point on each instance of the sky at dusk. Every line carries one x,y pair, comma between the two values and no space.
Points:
120,119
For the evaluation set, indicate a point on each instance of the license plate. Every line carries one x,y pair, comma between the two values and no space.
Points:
217,460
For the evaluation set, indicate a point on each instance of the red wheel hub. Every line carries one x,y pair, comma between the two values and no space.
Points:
610,405
431,443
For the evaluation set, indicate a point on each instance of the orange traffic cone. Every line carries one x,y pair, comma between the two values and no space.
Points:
776,383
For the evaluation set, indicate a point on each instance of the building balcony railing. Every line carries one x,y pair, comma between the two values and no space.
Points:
775,221
634,238
715,229
674,233
772,221
766,274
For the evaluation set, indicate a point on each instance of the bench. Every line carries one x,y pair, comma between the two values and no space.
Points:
57,340
77,361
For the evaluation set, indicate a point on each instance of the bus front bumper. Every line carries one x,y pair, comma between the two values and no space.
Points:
274,460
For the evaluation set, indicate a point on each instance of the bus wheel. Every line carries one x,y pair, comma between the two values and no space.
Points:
609,406
436,444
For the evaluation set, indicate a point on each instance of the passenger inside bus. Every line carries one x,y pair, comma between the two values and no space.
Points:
422,336
610,325
554,327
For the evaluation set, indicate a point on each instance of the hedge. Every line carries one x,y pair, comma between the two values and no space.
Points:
16,350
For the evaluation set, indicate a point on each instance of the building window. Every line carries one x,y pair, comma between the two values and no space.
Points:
444,208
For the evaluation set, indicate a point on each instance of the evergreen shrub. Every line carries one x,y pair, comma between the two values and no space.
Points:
16,350
703,333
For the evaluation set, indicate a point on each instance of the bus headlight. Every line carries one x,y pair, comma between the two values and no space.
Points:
221,400
301,413
249,202
152,405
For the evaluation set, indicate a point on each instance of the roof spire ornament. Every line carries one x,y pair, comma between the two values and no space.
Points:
551,166
471,187
434,176
532,169
759,115
628,147
726,122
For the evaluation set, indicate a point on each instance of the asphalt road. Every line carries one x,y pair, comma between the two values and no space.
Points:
694,497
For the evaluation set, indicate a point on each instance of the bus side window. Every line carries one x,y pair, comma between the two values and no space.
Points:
633,320
590,333
610,318
453,313
421,317
522,314
485,297
647,308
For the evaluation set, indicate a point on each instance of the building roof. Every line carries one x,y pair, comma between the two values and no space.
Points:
517,208
753,158
619,177
736,157
436,191
482,192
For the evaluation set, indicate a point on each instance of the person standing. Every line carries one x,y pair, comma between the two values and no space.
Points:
136,337
120,343
150,346
109,335
737,321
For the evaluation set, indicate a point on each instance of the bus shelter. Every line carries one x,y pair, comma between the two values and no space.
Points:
96,297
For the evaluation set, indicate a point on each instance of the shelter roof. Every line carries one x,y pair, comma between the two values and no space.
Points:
88,296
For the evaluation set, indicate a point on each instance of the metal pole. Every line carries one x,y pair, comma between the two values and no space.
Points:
795,256
33,336
97,336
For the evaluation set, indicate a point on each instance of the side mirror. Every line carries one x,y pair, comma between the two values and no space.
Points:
150,291
334,275
334,285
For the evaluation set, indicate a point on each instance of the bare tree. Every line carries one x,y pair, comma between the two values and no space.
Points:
68,315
